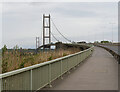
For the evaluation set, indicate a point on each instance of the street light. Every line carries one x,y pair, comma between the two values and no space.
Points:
112,30
103,33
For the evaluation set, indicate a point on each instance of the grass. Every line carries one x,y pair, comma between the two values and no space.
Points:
14,59
0,61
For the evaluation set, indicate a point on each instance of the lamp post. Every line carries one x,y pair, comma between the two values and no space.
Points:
103,33
112,30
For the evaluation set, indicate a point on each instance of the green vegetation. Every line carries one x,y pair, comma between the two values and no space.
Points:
18,58
4,49
105,42
64,54
102,42
22,65
50,58
96,42
4,66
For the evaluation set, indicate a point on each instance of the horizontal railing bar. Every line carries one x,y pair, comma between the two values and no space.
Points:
38,65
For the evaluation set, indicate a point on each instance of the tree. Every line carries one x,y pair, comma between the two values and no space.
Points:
16,47
105,42
4,49
96,42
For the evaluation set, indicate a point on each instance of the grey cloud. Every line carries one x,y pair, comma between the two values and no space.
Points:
77,21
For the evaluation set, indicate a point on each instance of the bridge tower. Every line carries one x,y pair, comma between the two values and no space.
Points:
37,42
46,30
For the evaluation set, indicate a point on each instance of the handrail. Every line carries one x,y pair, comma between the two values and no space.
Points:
65,64
38,65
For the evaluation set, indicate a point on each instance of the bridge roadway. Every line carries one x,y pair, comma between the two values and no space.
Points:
113,48
99,72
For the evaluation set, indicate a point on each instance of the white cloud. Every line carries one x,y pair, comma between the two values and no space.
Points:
0,25
60,1
22,22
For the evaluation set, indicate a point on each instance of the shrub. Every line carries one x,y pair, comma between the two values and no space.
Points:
28,59
22,65
50,58
32,62
64,54
4,66
16,47
4,49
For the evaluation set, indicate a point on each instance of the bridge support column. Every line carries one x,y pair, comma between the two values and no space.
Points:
46,30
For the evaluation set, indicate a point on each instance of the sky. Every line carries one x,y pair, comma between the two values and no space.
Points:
78,21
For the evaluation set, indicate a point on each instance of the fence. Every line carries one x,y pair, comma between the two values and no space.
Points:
37,76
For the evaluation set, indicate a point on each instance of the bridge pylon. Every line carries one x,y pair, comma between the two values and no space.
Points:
46,30
37,42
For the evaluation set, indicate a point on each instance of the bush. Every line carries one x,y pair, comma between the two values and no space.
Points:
64,54
28,59
32,62
50,58
22,65
4,66
4,49
16,47
105,42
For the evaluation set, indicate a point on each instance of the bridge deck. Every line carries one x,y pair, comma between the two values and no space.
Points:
113,48
99,72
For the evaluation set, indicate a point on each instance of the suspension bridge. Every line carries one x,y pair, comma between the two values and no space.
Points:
93,68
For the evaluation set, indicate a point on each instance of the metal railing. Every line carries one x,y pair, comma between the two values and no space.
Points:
38,76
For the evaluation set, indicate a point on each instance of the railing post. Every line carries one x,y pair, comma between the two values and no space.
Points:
49,76
75,61
86,54
78,58
5,88
61,69
31,79
83,56
68,65
0,83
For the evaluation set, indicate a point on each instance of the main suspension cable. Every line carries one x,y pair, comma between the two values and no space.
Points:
59,31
